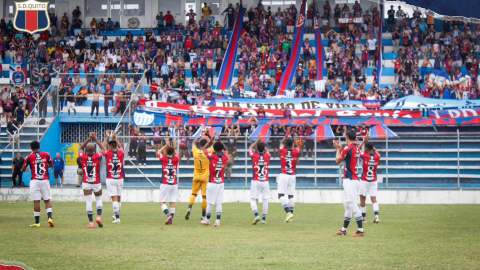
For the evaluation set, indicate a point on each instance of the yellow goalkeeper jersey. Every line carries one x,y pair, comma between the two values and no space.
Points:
201,161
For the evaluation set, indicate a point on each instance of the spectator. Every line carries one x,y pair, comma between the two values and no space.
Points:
58,169
17,164
169,19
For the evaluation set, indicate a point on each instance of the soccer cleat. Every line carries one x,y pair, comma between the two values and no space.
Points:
116,221
256,220
264,222
203,221
376,220
99,222
50,222
289,217
187,216
358,233
217,223
342,232
364,220
171,221
91,225
167,220
35,225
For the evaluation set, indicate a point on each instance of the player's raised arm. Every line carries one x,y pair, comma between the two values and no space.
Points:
84,144
107,134
365,140
119,145
95,139
338,158
208,145
252,147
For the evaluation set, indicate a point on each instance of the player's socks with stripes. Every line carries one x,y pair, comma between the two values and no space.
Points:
284,203
219,215
376,209
204,213
264,217
165,209
37,217
359,223
208,216
49,212
116,210
363,209
346,221
291,204
172,211
99,210
255,212
99,202
90,215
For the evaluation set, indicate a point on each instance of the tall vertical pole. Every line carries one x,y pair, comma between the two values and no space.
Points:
386,163
246,159
315,157
458,158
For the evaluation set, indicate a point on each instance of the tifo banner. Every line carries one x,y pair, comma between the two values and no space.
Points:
319,51
380,56
35,79
454,113
381,132
371,103
147,119
441,78
351,20
228,65
291,68
18,76
292,103
324,132
229,112
414,102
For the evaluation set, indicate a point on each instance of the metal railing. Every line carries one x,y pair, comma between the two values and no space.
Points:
311,173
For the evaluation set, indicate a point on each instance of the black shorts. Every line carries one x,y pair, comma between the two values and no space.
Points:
364,63
348,79
230,146
184,148
157,142
57,173
309,144
7,110
372,52
391,21
409,72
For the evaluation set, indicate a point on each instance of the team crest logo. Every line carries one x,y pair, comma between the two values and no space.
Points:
31,16
316,23
143,119
300,21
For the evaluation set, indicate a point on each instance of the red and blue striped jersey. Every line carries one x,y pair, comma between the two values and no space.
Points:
350,153
38,163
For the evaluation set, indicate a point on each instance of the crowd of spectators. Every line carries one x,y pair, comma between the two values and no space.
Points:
188,58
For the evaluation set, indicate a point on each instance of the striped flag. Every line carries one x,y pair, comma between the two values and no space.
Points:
319,50
324,132
381,132
228,64
291,68
263,130
379,65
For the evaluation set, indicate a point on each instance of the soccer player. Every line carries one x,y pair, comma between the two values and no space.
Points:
349,154
169,187
91,176
368,185
115,158
289,154
39,162
259,186
200,175
218,162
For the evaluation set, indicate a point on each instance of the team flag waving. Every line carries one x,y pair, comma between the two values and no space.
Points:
379,65
324,132
319,51
381,132
262,130
228,65
291,68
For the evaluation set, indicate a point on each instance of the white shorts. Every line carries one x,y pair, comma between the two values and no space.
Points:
368,188
39,189
214,193
258,189
114,187
350,190
286,184
168,193
70,105
290,28
94,187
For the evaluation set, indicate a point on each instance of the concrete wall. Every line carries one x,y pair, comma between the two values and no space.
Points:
243,195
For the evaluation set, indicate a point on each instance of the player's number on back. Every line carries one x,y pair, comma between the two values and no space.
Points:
90,175
261,171
40,170
170,175
114,170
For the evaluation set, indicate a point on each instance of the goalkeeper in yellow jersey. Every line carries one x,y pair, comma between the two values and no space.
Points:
200,174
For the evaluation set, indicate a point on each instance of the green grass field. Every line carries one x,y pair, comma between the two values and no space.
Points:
409,236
